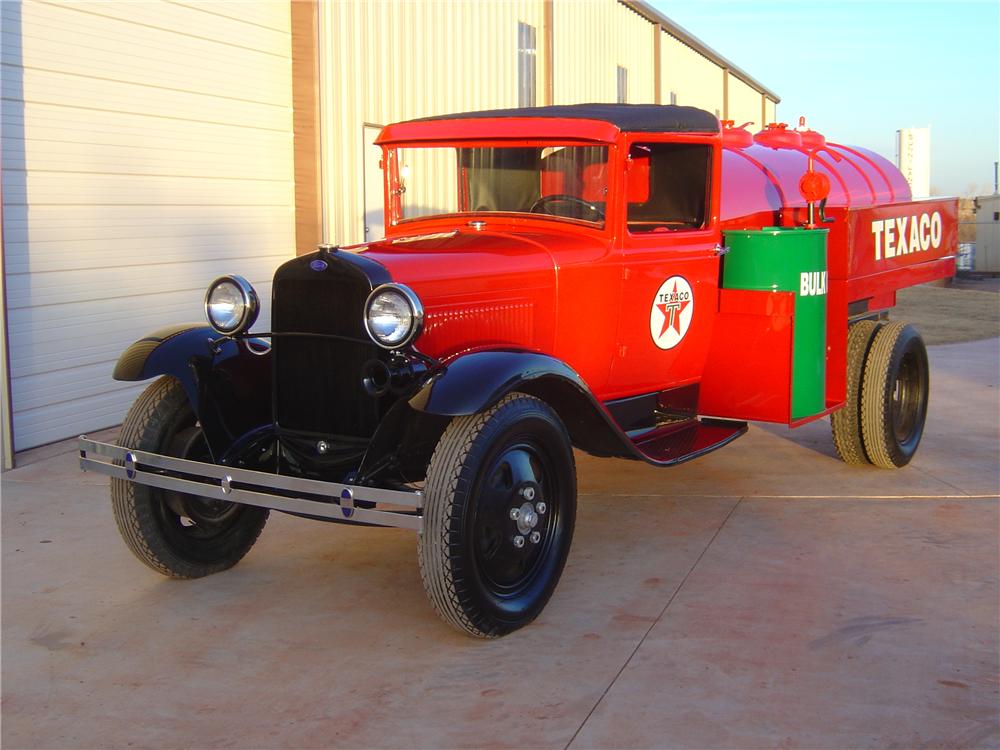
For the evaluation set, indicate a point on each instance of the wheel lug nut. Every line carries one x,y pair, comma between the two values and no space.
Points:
528,493
540,507
535,537
518,541
515,513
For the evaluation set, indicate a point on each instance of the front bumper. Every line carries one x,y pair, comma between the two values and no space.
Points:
308,497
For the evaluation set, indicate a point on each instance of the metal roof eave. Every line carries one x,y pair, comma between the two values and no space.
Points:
651,14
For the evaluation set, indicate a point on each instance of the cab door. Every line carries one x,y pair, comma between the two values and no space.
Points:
670,264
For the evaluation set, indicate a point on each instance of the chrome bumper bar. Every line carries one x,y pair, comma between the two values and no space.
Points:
254,487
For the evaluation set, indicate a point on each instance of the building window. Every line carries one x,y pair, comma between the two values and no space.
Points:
673,97
996,216
622,85
526,56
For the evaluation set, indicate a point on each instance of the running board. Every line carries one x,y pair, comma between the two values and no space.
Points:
678,442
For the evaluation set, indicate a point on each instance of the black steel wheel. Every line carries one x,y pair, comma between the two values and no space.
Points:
174,533
499,509
846,423
894,396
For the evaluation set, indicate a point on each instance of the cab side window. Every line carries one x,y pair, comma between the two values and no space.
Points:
667,185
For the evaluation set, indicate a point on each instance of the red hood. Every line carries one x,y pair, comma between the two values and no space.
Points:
441,265
480,289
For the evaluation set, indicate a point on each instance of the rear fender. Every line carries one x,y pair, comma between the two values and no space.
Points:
227,382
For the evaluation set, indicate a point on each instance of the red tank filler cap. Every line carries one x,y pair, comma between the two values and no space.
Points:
811,140
733,137
777,135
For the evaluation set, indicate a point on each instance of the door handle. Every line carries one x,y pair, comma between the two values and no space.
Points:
720,250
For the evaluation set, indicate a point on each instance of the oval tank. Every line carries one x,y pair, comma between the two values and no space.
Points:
760,182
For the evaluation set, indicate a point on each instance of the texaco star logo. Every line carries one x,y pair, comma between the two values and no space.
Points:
670,316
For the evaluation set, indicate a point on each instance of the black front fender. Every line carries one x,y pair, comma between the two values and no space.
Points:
165,351
227,382
474,382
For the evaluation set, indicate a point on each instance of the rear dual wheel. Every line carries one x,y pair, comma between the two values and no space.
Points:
888,383
894,396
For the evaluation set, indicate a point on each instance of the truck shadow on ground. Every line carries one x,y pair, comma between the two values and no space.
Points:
328,578
814,436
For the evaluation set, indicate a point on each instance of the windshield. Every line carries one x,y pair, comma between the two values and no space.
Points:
568,182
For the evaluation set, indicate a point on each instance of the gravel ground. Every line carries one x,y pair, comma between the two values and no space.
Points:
967,311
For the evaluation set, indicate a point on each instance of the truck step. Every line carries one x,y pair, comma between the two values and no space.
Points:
676,442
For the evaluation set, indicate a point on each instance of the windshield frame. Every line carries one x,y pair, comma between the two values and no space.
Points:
393,184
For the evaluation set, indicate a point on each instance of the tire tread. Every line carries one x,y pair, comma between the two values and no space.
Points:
845,424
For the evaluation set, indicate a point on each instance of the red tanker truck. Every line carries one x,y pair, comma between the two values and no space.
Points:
637,281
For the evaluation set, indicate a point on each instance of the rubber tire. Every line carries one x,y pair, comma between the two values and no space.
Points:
892,344
446,566
160,412
846,422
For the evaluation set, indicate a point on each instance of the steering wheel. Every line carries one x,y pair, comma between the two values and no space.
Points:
539,205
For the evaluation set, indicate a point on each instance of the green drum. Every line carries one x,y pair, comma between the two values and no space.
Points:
789,259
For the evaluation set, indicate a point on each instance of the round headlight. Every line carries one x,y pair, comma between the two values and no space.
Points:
231,305
393,315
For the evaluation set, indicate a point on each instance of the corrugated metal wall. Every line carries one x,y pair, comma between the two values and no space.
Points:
382,62
6,436
590,39
147,148
744,103
389,61
696,80
769,110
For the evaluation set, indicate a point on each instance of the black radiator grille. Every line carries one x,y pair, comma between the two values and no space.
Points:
317,380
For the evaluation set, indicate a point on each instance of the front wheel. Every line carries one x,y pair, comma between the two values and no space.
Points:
499,509
174,533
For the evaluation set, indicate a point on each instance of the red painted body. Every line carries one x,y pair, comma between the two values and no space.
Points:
583,293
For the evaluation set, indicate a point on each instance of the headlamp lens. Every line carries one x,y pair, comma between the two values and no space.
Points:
390,317
231,305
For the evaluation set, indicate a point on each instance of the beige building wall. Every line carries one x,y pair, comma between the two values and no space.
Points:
590,39
147,149
397,60
382,62
695,80
6,438
744,103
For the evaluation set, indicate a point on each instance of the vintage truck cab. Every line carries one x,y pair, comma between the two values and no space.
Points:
630,280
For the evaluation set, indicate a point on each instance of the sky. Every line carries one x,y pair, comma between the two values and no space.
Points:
859,71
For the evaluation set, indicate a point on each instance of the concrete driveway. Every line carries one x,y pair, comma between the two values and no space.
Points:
764,596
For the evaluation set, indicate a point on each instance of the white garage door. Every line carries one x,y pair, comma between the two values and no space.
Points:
147,148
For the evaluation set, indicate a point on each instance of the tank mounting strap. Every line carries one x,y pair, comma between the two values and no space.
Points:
291,494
